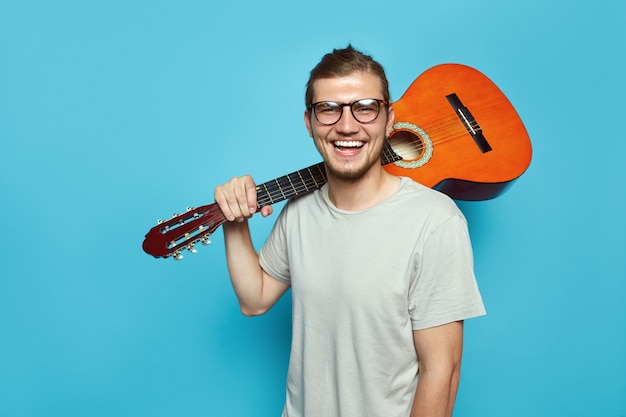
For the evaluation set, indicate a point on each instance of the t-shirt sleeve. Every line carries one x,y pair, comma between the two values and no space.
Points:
273,256
444,289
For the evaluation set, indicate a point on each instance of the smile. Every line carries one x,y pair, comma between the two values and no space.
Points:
348,144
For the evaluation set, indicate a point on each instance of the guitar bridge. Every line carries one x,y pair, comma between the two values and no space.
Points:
472,126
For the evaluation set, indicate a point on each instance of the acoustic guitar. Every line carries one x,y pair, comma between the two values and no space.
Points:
455,132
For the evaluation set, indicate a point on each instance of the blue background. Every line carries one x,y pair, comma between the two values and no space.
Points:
114,114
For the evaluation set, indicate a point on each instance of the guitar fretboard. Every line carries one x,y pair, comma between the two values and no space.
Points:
304,181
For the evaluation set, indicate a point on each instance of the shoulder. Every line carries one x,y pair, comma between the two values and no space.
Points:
432,201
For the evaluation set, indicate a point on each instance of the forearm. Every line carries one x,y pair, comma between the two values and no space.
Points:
436,393
243,266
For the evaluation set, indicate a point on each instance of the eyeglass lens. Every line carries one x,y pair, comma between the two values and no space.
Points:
364,111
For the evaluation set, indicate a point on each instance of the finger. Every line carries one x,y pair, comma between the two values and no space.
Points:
236,197
266,211
221,199
251,194
245,193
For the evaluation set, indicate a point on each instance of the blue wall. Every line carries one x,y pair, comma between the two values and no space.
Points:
114,114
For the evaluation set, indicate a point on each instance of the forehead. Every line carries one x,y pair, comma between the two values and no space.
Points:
348,88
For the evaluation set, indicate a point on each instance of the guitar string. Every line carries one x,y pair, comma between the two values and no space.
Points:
277,190
305,180
487,105
417,146
447,123
452,120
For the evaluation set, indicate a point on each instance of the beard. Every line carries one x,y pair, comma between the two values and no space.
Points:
352,173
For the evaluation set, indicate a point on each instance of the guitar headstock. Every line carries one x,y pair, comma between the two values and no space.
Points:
183,231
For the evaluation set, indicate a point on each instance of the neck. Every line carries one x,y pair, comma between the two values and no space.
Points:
374,187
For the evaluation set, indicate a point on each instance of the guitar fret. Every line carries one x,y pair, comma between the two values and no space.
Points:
267,192
295,191
286,186
389,155
280,189
302,180
313,178
321,174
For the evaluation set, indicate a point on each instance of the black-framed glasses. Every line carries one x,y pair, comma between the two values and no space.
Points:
365,110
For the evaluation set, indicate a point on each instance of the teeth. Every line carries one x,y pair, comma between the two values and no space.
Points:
349,143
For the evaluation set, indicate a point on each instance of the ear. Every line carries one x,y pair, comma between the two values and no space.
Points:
307,122
391,119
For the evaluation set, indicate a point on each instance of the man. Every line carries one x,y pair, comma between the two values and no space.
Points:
380,267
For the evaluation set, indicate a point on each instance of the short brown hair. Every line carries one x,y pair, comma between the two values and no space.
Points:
343,62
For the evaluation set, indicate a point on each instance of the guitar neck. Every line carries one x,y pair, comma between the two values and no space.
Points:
304,181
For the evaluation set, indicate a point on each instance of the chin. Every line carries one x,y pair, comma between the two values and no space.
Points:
347,174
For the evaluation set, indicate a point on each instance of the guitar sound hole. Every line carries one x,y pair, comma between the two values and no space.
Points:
406,144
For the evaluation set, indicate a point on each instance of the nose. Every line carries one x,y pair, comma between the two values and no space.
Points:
347,122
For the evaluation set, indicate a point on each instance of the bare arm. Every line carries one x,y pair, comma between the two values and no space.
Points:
439,351
256,291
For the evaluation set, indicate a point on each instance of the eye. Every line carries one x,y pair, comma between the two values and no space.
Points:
327,107
365,106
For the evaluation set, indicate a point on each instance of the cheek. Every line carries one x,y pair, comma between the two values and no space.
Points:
318,134
319,144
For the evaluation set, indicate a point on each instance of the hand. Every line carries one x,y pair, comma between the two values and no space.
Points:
237,199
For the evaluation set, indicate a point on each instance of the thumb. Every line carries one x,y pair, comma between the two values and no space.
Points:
266,211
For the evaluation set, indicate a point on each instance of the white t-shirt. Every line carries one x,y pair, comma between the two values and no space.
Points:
361,282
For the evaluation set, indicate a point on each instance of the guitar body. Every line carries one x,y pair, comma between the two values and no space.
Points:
458,133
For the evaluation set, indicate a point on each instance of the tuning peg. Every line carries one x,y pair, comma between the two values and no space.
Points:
160,221
191,248
177,256
205,240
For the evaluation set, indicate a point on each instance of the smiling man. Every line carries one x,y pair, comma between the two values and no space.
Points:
380,267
